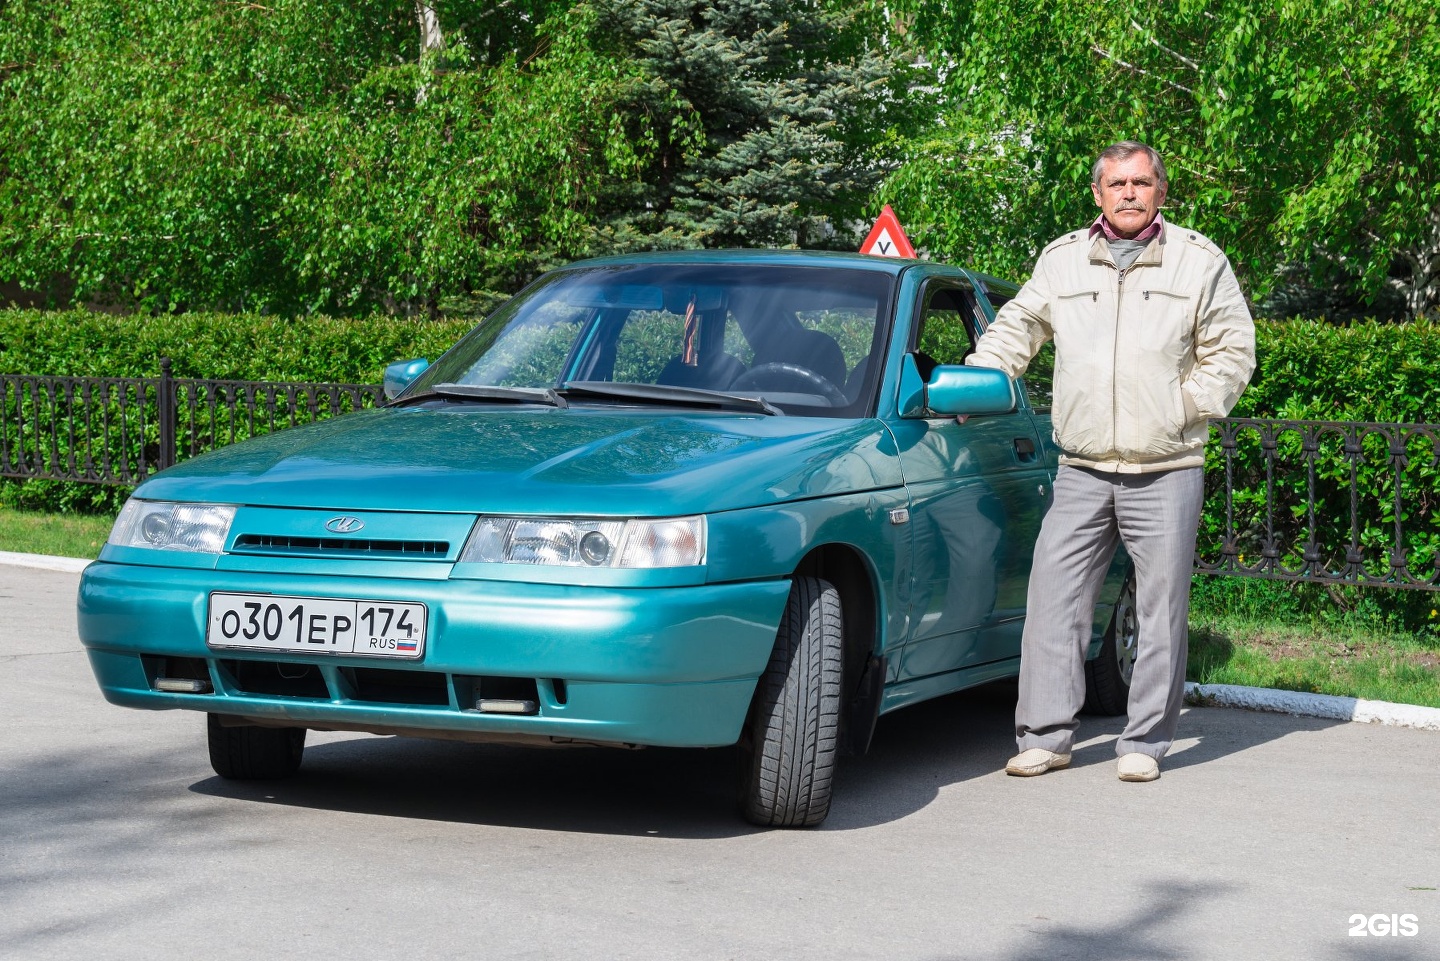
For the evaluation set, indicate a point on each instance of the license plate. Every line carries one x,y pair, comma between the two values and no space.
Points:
316,625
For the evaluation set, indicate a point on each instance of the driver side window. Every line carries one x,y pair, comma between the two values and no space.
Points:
945,334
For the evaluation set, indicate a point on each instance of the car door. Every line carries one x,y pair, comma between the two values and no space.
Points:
977,492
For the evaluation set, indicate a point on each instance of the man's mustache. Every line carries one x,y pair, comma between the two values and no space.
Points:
1130,205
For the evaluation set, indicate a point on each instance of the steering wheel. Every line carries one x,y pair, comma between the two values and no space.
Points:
804,375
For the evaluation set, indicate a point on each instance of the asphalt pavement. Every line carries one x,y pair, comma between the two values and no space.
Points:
1265,838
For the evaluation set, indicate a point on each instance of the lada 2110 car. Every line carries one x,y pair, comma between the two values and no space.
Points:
693,499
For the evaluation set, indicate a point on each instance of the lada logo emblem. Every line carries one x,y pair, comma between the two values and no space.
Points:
344,524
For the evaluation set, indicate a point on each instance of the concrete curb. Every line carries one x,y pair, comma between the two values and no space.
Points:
44,562
1314,705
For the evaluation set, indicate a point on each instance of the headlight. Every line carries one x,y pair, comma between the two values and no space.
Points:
572,542
169,526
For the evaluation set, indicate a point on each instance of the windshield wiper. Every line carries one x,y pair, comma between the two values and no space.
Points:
523,395
663,394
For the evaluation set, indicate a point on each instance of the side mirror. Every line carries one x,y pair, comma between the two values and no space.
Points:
970,390
399,375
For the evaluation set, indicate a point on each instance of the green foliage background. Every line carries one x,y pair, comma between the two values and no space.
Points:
221,346
307,156
1312,370
1299,134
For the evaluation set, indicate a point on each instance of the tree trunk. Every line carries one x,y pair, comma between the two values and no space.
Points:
1421,289
430,36
432,41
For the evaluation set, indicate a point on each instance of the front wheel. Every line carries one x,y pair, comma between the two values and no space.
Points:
788,748
254,753
1107,677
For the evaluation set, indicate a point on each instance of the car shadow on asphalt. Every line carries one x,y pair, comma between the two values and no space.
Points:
689,793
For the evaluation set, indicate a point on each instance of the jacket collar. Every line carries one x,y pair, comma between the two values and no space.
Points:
1100,246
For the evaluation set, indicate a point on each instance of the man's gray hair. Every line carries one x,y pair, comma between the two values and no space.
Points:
1123,151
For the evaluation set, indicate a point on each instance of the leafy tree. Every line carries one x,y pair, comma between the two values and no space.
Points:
294,156
307,155
453,176
1296,132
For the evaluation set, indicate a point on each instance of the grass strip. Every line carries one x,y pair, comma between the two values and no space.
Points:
1316,640
1381,669
63,535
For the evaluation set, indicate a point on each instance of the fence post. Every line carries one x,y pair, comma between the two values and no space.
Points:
165,403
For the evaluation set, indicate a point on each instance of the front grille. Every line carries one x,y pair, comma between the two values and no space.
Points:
339,547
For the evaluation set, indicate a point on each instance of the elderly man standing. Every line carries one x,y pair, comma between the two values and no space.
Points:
1152,338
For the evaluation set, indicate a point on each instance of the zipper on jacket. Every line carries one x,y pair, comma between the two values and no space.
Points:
1115,367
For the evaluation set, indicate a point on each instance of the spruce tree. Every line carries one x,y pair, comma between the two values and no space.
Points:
758,120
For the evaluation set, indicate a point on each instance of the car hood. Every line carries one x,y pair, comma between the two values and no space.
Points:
578,460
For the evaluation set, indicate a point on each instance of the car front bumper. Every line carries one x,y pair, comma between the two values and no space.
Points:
672,666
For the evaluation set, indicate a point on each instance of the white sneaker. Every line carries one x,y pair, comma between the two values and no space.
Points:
1137,767
1035,761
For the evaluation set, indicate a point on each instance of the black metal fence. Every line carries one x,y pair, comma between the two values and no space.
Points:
1329,502
1323,501
119,430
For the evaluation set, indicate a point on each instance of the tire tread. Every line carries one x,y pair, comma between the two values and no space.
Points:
788,770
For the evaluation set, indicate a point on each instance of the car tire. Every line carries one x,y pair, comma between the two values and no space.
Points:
254,753
1107,677
789,746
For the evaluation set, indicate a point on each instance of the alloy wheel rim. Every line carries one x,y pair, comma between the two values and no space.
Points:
1126,633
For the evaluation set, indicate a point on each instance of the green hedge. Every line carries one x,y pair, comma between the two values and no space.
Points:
1311,370
222,346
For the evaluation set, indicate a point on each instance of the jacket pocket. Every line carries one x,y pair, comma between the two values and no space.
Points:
1153,422
1167,323
1072,307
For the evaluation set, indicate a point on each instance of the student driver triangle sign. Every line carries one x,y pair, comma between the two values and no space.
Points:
886,238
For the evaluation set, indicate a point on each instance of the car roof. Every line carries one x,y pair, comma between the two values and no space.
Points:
790,258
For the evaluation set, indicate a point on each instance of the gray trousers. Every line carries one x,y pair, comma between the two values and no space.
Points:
1155,516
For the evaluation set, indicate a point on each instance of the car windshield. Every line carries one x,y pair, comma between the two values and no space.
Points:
804,340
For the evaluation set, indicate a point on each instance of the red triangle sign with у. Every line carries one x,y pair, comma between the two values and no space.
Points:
886,238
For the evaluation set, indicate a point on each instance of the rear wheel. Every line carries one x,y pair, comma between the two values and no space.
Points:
1107,677
788,749
254,753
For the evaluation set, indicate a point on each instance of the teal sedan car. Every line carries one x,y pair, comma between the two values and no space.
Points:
695,499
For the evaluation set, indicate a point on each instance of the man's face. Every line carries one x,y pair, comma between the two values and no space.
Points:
1129,194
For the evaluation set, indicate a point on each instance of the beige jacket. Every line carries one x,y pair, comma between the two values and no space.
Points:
1143,357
